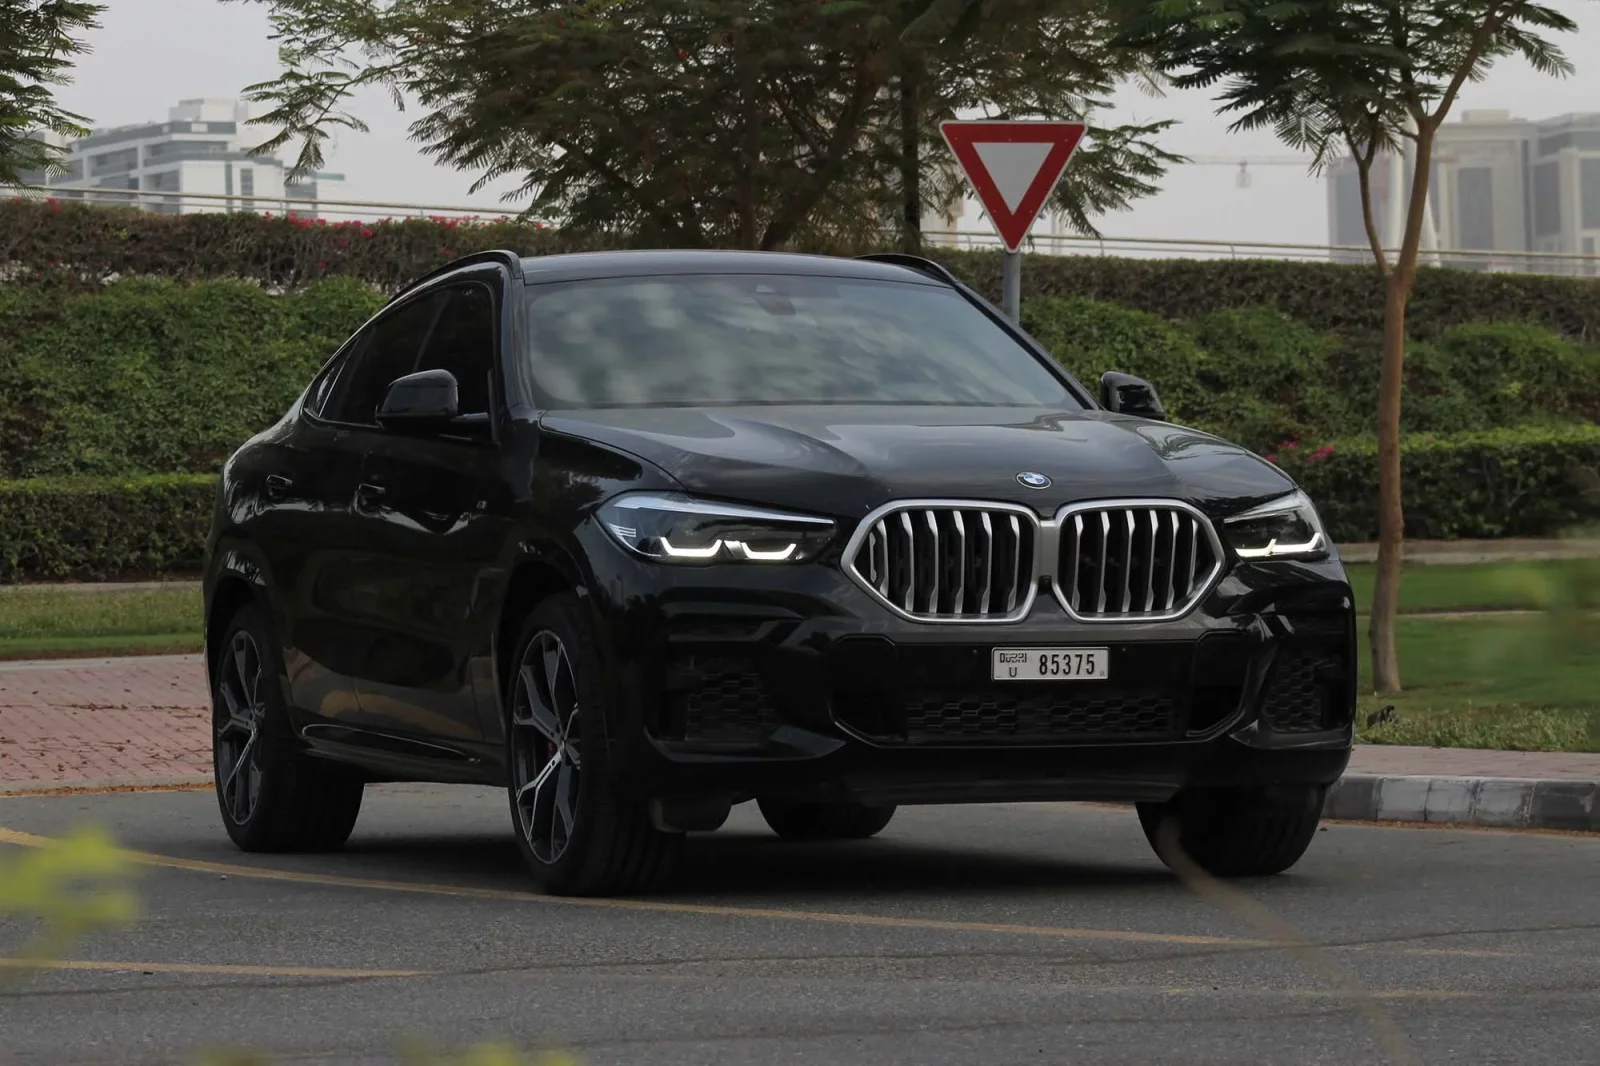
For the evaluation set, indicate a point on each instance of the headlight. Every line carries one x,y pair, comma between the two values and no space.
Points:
1285,528
674,528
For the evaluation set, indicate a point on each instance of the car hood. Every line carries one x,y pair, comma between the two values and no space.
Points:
846,460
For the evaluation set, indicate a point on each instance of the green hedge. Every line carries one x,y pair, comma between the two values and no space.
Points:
92,529
152,375
1526,482
79,245
1497,483
1258,377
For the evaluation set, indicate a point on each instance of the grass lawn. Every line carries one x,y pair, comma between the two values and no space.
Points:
1480,586
1529,682
41,622
1524,683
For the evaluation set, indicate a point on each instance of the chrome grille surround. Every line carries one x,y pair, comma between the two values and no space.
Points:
948,560
1133,560
980,561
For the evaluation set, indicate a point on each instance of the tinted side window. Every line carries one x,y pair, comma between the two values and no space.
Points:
463,343
322,387
389,352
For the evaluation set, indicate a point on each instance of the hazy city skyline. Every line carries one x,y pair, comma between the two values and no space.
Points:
142,65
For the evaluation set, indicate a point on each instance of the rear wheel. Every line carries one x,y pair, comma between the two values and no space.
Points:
577,831
272,796
824,821
1236,832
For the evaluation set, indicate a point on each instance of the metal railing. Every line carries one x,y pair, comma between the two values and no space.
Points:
1566,263
332,210
1556,263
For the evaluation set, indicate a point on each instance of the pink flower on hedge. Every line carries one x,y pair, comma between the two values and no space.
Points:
1272,457
322,266
366,232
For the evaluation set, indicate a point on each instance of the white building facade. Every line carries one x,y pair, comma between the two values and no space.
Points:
201,150
1499,184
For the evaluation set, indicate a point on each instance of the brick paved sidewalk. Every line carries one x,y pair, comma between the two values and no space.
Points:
146,720
101,721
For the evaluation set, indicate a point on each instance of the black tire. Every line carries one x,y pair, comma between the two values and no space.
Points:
1238,832
272,796
584,836
824,821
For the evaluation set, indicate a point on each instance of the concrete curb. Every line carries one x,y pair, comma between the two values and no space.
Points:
1501,802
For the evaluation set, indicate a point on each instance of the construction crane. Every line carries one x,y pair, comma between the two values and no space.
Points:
1244,163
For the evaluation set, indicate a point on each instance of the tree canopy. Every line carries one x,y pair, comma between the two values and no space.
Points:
39,40
755,123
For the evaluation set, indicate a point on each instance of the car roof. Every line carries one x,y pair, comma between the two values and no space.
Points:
574,266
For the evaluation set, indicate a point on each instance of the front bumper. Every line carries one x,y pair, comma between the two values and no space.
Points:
739,681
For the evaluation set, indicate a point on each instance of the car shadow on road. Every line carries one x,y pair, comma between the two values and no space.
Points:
735,866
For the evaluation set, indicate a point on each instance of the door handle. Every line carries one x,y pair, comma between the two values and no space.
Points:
368,495
277,486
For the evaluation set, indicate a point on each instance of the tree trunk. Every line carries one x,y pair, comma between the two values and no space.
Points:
750,159
1391,381
911,157
1391,513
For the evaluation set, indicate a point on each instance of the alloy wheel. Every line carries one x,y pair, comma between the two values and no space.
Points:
237,725
546,756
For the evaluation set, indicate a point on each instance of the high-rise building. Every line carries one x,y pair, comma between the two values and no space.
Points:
200,149
1499,184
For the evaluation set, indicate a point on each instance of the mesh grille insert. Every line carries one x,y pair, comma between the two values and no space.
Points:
1007,717
725,701
1299,696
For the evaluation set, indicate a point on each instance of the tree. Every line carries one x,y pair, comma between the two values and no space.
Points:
1021,59
37,47
689,122
754,123
1357,77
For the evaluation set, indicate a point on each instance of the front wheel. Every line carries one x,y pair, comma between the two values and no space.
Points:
824,821
579,834
1236,832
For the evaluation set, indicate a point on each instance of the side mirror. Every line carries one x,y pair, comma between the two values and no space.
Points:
1129,395
425,402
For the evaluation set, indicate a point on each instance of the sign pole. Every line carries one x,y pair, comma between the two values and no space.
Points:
1011,287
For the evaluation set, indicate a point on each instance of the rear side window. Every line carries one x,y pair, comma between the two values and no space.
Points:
321,388
388,351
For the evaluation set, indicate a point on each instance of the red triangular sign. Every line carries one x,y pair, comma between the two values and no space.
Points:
1013,167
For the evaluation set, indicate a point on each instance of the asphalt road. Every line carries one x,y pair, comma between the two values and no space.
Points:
998,934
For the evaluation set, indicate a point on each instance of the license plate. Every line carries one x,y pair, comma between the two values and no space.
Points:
1051,664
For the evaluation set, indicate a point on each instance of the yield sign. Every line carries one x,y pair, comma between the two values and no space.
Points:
1013,167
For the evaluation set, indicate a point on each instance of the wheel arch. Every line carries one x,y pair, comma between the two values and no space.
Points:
534,579
231,592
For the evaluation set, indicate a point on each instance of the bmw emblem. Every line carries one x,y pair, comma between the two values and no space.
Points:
1029,479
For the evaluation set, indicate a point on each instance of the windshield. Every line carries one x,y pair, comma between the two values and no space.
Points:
729,339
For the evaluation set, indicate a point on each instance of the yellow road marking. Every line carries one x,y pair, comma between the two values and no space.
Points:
263,873
199,968
12,836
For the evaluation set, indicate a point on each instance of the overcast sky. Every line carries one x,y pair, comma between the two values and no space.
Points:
151,53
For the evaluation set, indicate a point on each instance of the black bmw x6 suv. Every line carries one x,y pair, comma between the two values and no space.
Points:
643,535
